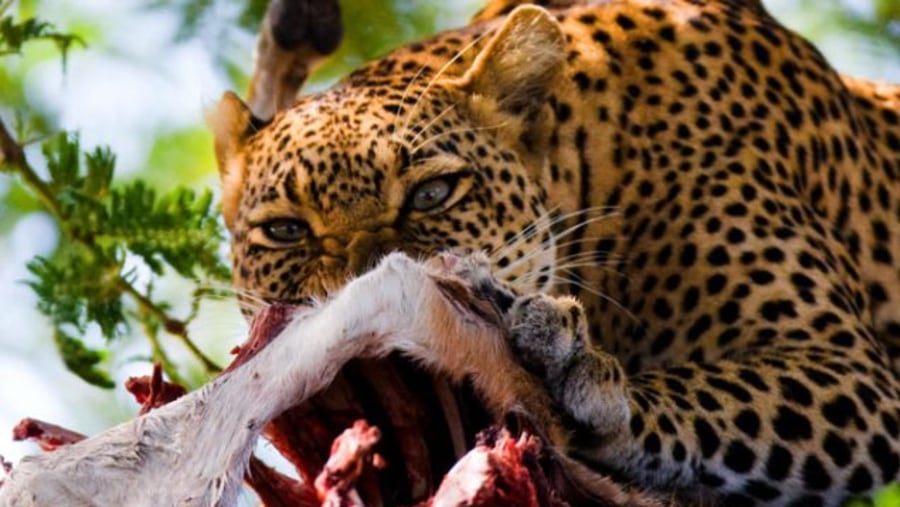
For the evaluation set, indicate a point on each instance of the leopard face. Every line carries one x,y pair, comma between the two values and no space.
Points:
743,302
343,178
418,163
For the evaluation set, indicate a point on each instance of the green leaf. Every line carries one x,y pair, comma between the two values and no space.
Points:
16,203
82,361
79,285
14,35
62,152
100,165
180,229
888,497
887,11
253,13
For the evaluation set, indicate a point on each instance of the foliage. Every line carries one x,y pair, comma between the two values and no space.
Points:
14,34
194,13
372,27
879,24
89,278
887,497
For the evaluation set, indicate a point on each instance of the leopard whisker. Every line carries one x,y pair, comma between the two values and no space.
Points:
584,223
587,260
394,132
588,239
554,237
601,295
529,277
590,253
226,290
437,76
603,267
455,131
246,305
583,259
424,129
543,223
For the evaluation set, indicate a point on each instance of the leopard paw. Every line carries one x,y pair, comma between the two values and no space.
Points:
546,331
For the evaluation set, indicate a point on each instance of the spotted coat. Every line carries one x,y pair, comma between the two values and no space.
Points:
722,203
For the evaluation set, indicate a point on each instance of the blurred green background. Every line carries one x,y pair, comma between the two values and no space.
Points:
140,86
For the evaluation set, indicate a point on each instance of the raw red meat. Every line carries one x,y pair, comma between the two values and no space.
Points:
278,490
490,475
351,454
151,391
47,436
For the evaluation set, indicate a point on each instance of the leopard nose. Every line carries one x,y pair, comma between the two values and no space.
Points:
366,247
333,247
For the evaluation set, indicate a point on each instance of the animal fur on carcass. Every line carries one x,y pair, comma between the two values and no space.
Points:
196,450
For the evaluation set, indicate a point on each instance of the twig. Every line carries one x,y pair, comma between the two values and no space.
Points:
172,326
12,155
159,355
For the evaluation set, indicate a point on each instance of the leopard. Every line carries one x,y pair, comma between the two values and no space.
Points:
691,219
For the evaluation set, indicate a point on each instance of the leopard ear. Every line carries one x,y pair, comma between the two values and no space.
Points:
519,64
231,123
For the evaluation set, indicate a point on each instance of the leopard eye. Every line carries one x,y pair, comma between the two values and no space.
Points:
285,230
431,194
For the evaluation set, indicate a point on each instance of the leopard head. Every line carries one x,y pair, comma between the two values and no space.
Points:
420,152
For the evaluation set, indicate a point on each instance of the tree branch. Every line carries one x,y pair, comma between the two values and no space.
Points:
12,155
175,327
160,357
